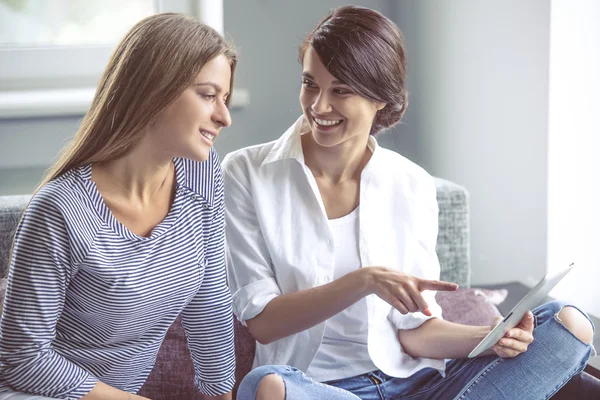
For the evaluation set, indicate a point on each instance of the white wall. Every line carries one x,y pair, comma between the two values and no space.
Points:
574,146
479,78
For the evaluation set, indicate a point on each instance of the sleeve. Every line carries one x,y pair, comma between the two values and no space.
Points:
251,277
207,319
41,267
426,264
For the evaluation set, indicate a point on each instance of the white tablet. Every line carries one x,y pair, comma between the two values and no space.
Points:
530,301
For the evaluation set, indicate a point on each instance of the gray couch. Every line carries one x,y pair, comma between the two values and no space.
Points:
172,376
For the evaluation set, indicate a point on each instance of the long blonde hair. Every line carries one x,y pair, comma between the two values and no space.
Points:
153,64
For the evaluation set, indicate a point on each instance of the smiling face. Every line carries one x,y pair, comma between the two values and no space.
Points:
189,125
335,113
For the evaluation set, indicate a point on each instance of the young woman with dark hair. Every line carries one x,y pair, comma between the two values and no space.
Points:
97,273
331,250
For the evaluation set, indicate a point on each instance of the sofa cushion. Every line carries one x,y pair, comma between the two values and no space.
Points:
471,306
453,235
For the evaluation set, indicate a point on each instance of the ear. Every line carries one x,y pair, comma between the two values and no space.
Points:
380,106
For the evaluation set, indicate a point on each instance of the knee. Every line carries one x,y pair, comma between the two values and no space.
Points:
576,322
271,387
262,383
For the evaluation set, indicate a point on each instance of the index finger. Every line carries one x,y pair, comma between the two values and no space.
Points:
436,285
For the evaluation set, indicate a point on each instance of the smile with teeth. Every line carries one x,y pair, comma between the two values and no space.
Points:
208,135
328,122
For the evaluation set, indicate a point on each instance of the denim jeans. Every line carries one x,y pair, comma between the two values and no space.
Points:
550,361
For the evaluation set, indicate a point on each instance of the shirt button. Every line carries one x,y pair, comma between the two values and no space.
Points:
205,206
194,197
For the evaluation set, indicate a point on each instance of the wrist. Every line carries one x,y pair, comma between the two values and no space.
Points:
481,332
365,281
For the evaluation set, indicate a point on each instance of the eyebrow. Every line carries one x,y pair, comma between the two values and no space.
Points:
335,82
216,86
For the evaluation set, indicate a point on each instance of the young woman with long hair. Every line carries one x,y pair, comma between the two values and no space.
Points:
126,231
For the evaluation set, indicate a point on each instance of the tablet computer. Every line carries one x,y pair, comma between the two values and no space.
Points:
530,301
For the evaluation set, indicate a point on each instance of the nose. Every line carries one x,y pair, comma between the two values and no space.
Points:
221,115
321,104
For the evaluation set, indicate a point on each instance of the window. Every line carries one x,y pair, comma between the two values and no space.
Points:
53,52
36,23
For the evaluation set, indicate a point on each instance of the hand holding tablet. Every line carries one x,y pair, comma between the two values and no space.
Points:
531,300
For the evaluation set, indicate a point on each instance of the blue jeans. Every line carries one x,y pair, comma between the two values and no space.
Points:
553,358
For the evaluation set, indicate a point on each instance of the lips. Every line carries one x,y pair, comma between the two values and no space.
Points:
209,135
328,122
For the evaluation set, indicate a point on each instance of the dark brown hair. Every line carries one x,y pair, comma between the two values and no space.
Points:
365,50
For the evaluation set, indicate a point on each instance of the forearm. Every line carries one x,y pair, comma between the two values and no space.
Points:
102,391
295,312
441,339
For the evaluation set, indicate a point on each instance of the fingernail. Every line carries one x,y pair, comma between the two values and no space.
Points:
507,334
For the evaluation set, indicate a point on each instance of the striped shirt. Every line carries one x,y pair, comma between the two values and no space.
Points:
88,300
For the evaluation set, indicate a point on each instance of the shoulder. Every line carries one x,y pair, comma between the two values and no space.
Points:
62,196
247,160
202,177
403,172
61,214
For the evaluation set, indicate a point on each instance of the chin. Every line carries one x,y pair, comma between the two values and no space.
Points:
199,155
325,140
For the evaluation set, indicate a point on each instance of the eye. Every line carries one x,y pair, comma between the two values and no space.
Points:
208,96
308,84
341,91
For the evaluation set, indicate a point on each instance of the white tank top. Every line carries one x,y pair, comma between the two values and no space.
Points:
343,352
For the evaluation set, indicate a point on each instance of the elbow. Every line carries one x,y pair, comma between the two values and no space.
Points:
263,340
407,339
262,336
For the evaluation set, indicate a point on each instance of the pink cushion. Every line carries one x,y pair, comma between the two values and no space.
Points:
471,306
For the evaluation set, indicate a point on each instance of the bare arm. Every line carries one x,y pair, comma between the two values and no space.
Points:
442,339
295,312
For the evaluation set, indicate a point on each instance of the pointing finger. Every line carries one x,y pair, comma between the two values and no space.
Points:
436,285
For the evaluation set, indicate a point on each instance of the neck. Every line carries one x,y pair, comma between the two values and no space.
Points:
338,163
137,176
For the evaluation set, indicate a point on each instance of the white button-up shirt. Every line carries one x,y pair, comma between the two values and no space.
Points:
279,242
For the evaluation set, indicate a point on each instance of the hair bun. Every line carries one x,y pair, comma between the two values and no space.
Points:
390,115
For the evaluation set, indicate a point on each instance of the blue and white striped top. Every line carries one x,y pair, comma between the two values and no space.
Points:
88,300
